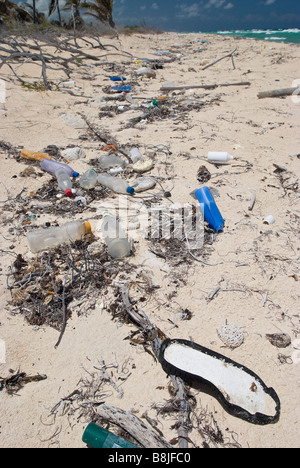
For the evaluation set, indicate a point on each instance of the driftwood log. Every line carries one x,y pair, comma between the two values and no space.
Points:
278,92
212,86
137,429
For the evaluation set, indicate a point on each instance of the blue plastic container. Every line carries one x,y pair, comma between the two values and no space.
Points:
210,210
117,78
122,89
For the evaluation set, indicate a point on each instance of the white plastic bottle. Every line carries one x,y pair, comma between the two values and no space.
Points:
47,238
115,184
115,239
88,180
135,155
64,181
219,157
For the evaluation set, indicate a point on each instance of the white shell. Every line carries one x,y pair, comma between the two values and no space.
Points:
231,335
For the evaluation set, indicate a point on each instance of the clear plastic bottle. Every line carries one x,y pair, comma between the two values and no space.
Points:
219,157
88,180
47,238
110,161
135,155
51,166
115,238
115,184
64,181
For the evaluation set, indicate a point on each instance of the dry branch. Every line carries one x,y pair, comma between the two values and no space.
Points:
278,92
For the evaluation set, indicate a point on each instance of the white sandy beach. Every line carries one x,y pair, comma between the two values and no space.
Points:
256,265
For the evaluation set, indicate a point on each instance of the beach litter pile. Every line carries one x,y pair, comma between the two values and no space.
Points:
105,229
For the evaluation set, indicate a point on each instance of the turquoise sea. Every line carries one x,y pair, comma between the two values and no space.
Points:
291,35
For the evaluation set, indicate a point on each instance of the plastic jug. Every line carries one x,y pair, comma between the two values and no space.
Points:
64,181
88,180
115,238
34,155
47,238
219,157
51,166
115,184
210,210
97,437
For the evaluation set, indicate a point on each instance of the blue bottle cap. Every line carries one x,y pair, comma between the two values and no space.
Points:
75,174
130,190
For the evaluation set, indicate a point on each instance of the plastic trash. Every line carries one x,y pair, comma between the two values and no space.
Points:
34,155
115,184
117,78
209,209
219,157
110,161
141,184
122,89
64,181
269,220
47,238
97,437
115,238
51,166
88,180
135,155
238,389
145,71
143,166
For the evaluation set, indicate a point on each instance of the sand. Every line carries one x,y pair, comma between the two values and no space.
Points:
256,265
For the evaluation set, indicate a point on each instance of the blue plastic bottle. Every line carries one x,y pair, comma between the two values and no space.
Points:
210,210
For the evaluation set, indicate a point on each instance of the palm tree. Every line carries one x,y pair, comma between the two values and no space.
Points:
101,10
54,5
12,10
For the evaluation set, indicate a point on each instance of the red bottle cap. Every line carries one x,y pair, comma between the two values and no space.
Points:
68,193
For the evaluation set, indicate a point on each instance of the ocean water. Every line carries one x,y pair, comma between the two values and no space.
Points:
291,35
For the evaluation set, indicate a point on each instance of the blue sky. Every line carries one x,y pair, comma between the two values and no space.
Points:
208,15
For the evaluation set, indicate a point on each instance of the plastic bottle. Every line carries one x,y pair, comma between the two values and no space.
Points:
109,161
88,180
47,238
51,166
115,238
97,437
34,155
135,155
210,210
115,184
64,181
219,157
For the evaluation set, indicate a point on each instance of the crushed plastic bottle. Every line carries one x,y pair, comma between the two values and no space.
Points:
51,166
88,180
115,238
110,161
135,155
115,184
44,239
64,181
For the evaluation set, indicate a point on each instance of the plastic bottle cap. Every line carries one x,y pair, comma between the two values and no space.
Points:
75,174
130,190
88,227
68,193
